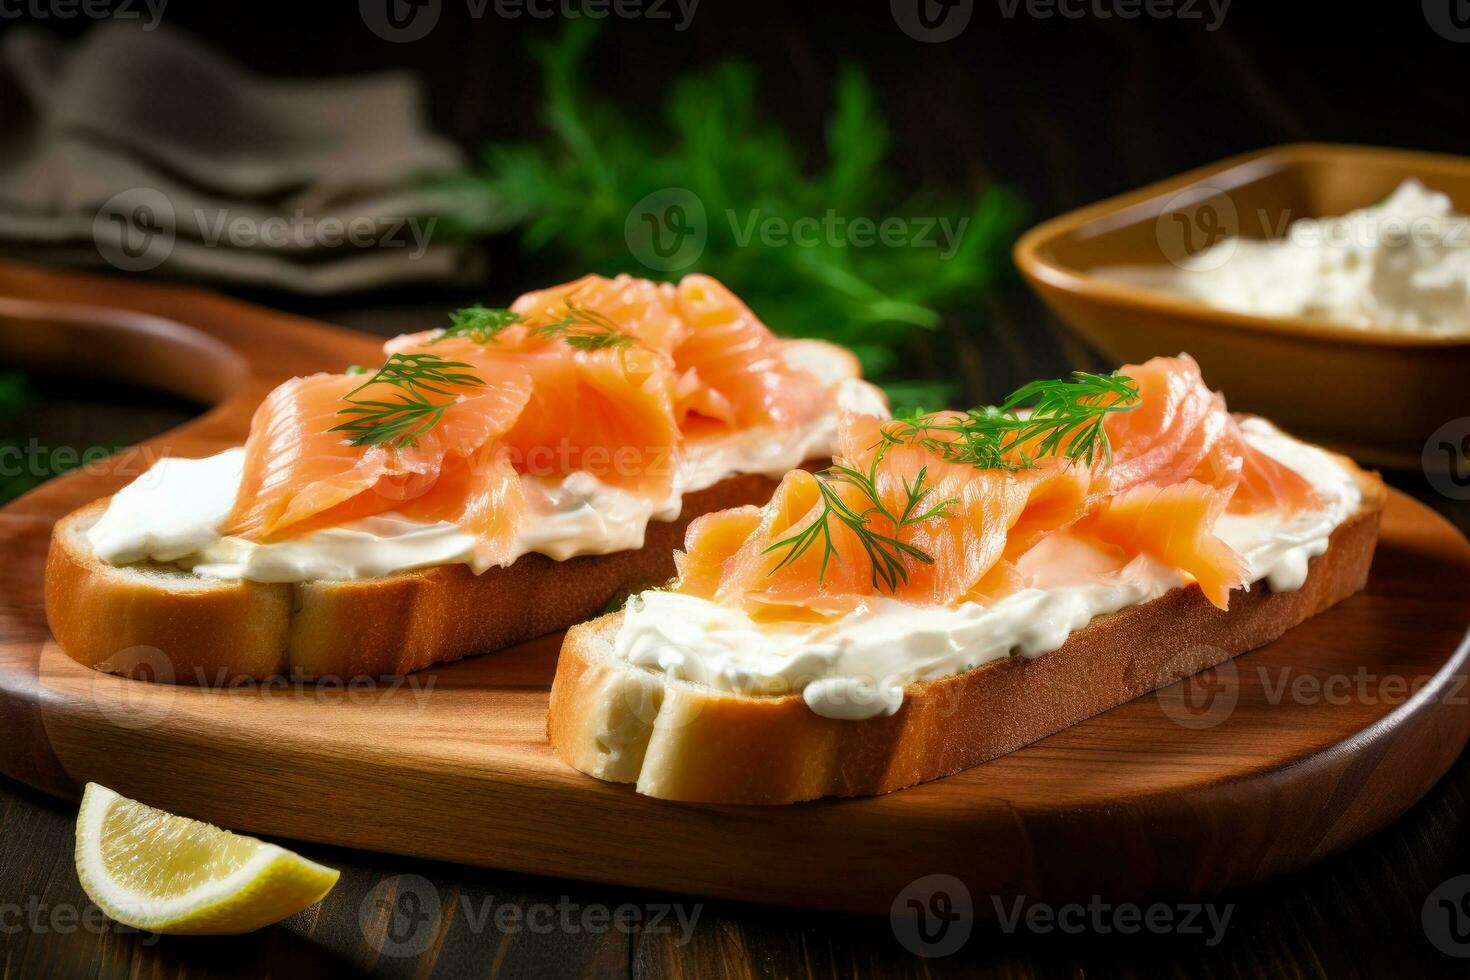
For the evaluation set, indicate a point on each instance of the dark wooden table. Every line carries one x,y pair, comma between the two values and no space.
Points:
1357,913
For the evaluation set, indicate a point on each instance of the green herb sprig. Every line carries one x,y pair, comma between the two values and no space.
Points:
569,196
479,323
584,329
400,418
579,328
1065,417
886,552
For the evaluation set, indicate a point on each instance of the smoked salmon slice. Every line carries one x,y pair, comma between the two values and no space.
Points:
1181,430
608,377
731,367
912,511
1172,523
300,475
978,519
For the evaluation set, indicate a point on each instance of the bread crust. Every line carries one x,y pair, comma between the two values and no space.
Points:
213,632
680,741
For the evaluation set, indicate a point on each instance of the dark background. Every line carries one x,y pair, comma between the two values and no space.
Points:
1065,111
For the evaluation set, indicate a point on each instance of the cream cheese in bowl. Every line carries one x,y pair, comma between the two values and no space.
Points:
1402,264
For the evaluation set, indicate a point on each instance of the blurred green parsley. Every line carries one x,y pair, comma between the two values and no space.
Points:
577,197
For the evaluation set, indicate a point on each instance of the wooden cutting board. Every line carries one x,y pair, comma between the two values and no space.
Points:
1285,755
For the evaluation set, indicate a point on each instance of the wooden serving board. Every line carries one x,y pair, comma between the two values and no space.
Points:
1283,756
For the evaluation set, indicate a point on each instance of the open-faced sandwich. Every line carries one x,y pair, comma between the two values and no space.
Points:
489,482
959,585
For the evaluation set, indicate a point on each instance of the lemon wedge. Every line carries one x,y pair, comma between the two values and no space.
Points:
161,873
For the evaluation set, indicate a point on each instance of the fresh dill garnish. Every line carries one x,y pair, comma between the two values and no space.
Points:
584,329
479,323
885,551
399,419
580,328
711,158
356,369
1063,418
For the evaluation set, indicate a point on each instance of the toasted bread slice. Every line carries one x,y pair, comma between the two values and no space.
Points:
683,741
214,631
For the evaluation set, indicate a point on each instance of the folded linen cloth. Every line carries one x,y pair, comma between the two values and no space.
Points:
158,153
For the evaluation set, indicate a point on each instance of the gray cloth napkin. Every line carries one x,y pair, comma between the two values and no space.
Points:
144,149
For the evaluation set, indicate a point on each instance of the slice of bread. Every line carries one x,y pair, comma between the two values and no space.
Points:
683,741
212,631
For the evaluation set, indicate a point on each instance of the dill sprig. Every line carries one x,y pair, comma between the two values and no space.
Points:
568,192
1062,417
584,329
886,552
401,417
479,323
579,328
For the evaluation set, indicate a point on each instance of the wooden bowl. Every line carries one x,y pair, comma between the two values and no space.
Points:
1375,394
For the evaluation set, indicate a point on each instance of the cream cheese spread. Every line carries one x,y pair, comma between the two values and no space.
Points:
858,666
174,512
1402,264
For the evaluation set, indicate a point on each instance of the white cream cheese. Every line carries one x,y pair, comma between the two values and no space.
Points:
174,512
858,666
1276,551
1401,264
